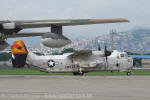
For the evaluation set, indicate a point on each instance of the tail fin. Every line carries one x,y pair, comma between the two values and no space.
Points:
19,54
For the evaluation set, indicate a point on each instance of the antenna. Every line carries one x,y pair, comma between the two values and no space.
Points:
112,33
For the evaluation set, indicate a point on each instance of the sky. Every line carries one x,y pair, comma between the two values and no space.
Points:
137,11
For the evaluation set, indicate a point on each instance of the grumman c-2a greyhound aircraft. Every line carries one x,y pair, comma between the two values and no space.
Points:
55,38
79,62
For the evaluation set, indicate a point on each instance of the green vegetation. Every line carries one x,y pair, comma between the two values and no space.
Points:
69,50
15,71
5,56
35,72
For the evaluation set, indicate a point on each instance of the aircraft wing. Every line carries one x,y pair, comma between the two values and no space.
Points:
27,34
72,22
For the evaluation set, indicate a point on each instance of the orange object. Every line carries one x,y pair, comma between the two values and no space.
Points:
18,47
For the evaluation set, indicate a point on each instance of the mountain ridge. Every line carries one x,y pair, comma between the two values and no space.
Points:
135,40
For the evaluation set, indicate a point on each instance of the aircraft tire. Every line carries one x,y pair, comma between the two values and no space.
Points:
77,73
128,73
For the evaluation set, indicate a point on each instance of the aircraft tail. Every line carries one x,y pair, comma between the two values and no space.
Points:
19,54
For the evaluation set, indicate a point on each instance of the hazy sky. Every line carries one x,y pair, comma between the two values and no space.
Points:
137,11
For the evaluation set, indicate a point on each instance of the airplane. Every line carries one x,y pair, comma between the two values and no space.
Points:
80,62
53,39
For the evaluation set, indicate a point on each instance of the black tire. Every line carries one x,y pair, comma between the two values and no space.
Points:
128,73
74,73
77,73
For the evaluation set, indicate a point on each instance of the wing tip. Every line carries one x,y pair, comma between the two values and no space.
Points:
112,20
124,20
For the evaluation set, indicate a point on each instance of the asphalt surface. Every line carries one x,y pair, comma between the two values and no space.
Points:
74,87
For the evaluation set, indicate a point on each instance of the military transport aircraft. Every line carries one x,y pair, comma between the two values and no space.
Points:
55,38
81,62
78,63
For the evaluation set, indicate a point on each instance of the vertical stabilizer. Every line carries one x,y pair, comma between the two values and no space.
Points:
19,54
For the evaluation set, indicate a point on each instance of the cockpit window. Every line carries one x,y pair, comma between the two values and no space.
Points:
121,55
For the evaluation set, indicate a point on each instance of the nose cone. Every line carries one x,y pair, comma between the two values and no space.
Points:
54,40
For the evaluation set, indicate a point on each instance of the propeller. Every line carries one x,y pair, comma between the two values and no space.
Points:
107,53
99,47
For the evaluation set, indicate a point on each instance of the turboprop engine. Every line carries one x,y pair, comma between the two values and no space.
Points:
54,40
8,28
8,25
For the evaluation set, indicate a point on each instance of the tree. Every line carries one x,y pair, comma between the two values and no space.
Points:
69,50
5,56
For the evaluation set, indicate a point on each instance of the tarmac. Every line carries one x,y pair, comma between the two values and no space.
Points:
36,87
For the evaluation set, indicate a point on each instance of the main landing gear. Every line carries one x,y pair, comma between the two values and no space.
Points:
78,73
128,73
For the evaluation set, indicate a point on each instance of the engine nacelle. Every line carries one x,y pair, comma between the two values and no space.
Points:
10,25
54,40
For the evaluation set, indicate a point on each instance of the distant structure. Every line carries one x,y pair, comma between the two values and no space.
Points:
141,60
112,33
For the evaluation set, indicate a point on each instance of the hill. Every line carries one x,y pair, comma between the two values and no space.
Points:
135,40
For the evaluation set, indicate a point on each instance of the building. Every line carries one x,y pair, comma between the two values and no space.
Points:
141,60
